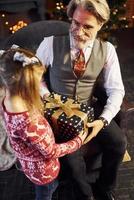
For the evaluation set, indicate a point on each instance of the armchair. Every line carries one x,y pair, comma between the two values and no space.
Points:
30,38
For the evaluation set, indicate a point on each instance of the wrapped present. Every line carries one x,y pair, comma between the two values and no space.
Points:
66,116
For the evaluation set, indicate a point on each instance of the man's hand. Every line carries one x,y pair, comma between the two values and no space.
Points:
97,125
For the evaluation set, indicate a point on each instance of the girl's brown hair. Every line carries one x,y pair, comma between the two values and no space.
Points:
19,79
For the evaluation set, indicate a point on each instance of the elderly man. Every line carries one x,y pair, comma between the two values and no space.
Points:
77,61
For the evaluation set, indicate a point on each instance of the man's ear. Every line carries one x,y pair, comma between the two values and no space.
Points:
100,25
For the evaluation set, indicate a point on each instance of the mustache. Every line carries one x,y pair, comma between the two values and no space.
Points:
77,37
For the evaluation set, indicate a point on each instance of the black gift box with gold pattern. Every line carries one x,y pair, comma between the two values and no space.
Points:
66,116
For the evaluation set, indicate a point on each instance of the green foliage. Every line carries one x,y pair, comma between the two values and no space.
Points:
117,16
117,20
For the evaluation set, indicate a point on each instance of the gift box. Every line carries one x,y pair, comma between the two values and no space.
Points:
66,116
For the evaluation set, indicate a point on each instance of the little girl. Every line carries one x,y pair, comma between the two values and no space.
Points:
30,135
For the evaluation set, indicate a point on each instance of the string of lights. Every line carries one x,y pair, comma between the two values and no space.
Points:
20,24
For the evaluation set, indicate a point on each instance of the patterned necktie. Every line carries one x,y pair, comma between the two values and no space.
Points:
79,64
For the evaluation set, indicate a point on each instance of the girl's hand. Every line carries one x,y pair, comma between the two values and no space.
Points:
83,135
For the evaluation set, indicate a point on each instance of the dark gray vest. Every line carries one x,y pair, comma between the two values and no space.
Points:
62,77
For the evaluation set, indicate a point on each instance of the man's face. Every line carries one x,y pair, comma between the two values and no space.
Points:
84,27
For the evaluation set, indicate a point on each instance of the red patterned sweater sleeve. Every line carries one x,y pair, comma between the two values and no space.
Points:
41,136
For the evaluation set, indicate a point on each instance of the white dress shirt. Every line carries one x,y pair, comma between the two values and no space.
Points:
113,80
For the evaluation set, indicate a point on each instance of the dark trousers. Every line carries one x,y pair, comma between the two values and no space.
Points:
45,192
75,167
113,144
14,185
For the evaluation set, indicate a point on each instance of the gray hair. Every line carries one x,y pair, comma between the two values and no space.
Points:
99,8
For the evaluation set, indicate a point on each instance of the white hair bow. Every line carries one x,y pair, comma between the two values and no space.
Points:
2,52
21,57
14,46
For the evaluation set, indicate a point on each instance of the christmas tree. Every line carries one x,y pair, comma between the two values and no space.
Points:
117,20
118,15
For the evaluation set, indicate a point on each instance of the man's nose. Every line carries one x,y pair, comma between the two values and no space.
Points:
80,30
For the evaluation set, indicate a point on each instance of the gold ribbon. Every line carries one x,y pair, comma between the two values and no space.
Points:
67,107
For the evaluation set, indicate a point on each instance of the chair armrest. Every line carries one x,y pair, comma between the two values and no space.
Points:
127,124
126,106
